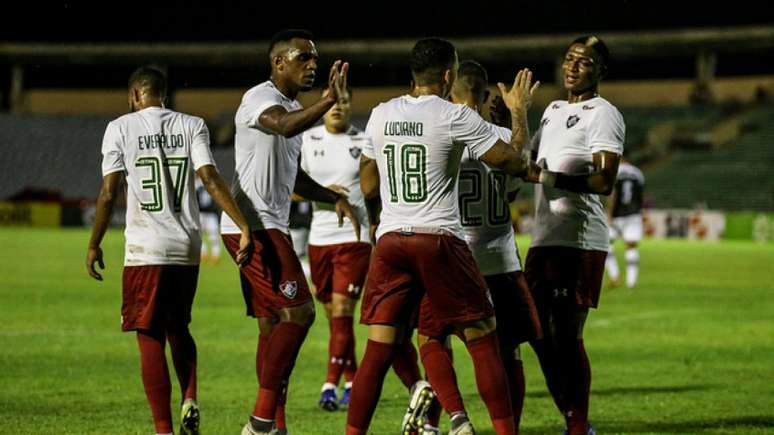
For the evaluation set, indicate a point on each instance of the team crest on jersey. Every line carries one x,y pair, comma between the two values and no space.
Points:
355,152
572,120
289,289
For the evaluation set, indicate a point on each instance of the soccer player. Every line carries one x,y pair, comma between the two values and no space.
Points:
269,123
484,196
417,143
330,154
210,223
578,149
157,151
625,219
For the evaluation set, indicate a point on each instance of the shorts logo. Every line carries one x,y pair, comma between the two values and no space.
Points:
560,292
572,120
289,289
354,289
354,152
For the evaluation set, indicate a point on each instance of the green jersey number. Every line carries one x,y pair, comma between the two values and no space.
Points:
175,169
412,171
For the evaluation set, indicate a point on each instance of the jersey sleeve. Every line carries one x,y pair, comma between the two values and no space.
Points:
606,131
254,104
201,154
468,127
112,150
502,133
370,132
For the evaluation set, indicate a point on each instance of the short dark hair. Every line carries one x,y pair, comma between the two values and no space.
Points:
474,76
596,44
150,78
288,34
430,57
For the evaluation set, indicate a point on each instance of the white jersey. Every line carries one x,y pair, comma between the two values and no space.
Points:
334,159
266,163
485,212
158,150
569,134
417,143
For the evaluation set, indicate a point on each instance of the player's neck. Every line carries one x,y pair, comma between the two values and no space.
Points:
582,96
332,129
418,91
145,103
284,87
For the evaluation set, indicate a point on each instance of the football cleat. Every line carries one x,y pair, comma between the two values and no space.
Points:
430,430
462,426
422,396
189,418
589,430
258,427
328,400
344,401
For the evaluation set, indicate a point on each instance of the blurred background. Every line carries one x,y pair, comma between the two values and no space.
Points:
695,84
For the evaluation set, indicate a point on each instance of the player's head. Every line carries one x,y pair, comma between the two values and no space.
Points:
434,62
147,87
585,63
293,58
338,117
471,85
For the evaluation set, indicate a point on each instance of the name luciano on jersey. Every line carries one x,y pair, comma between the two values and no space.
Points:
153,141
403,128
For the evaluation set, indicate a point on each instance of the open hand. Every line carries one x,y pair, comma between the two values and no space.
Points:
519,97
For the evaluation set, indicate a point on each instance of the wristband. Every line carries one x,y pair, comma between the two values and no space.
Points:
547,178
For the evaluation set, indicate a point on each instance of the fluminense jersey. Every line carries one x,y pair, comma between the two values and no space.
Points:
266,163
629,187
569,134
485,212
418,143
158,150
334,159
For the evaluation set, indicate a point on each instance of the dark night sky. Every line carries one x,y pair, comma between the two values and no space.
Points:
257,20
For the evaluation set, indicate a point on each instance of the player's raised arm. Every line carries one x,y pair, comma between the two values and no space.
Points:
309,189
512,157
105,202
288,124
216,187
601,180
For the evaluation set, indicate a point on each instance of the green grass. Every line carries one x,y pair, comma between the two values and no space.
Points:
691,350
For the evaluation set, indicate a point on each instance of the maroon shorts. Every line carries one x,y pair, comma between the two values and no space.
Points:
157,296
340,268
273,279
561,275
517,317
406,267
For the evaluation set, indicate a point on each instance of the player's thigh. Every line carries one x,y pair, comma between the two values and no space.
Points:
350,268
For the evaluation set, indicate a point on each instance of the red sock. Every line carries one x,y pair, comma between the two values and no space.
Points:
492,382
263,341
578,389
279,415
514,369
184,358
367,386
281,351
405,363
155,379
440,373
350,362
338,347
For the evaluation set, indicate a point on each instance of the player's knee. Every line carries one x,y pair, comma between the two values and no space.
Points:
343,307
478,328
302,314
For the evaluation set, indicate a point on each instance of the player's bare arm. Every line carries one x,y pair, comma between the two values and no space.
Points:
288,124
217,189
600,181
307,188
512,157
369,185
105,202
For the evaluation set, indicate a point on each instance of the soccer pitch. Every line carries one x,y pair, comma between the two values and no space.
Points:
691,350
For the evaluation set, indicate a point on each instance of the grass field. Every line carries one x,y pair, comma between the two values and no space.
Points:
691,350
